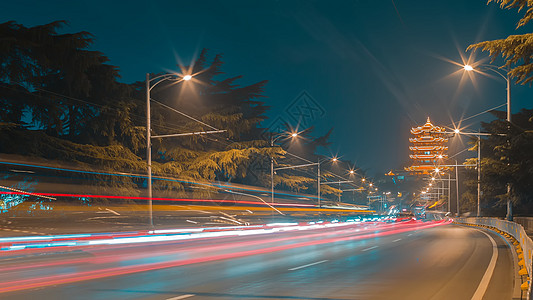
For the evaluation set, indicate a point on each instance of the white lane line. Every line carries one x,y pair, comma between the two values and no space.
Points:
484,284
181,297
396,240
112,211
373,247
308,265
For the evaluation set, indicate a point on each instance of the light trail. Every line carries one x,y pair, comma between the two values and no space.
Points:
157,199
39,242
142,176
86,244
39,282
20,192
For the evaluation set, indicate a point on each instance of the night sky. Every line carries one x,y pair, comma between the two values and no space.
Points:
370,69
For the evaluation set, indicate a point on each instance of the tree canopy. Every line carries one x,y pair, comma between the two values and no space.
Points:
506,159
60,100
516,50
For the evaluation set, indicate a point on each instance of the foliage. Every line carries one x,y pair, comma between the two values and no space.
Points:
507,160
330,191
516,50
293,182
39,144
526,5
51,81
60,100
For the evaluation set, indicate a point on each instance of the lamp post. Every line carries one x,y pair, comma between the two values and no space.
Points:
318,163
457,175
478,176
156,80
505,76
440,157
478,165
339,183
273,139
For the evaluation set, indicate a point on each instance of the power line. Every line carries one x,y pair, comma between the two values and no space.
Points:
478,114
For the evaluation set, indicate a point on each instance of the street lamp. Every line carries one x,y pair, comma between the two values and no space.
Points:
150,84
302,166
318,178
478,136
273,139
505,76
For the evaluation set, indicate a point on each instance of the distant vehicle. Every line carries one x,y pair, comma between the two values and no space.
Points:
420,215
405,216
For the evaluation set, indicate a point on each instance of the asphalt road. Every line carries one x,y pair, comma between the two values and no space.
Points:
418,260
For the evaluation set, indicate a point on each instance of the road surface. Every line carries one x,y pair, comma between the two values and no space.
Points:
412,260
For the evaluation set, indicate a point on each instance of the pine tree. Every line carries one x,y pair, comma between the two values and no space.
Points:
59,100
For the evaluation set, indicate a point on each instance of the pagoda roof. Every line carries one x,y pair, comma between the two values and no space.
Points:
427,128
428,139
427,156
425,168
428,148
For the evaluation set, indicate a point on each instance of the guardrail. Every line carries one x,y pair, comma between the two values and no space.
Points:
518,233
526,222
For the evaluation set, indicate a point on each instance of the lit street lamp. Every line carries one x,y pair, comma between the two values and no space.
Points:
156,80
273,139
505,76
150,84
478,165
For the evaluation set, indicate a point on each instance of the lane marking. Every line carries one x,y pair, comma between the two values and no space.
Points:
373,247
396,240
112,211
308,265
181,297
484,284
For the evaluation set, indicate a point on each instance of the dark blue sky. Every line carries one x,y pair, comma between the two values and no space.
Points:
373,70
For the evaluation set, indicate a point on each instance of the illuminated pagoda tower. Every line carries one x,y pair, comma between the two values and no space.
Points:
428,148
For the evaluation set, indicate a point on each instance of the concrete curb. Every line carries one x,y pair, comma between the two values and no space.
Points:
523,276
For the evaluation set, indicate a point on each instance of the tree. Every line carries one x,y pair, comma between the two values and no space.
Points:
216,103
505,162
51,82
59,100
516,50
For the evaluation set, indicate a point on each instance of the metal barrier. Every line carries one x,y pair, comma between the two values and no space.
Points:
513,229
